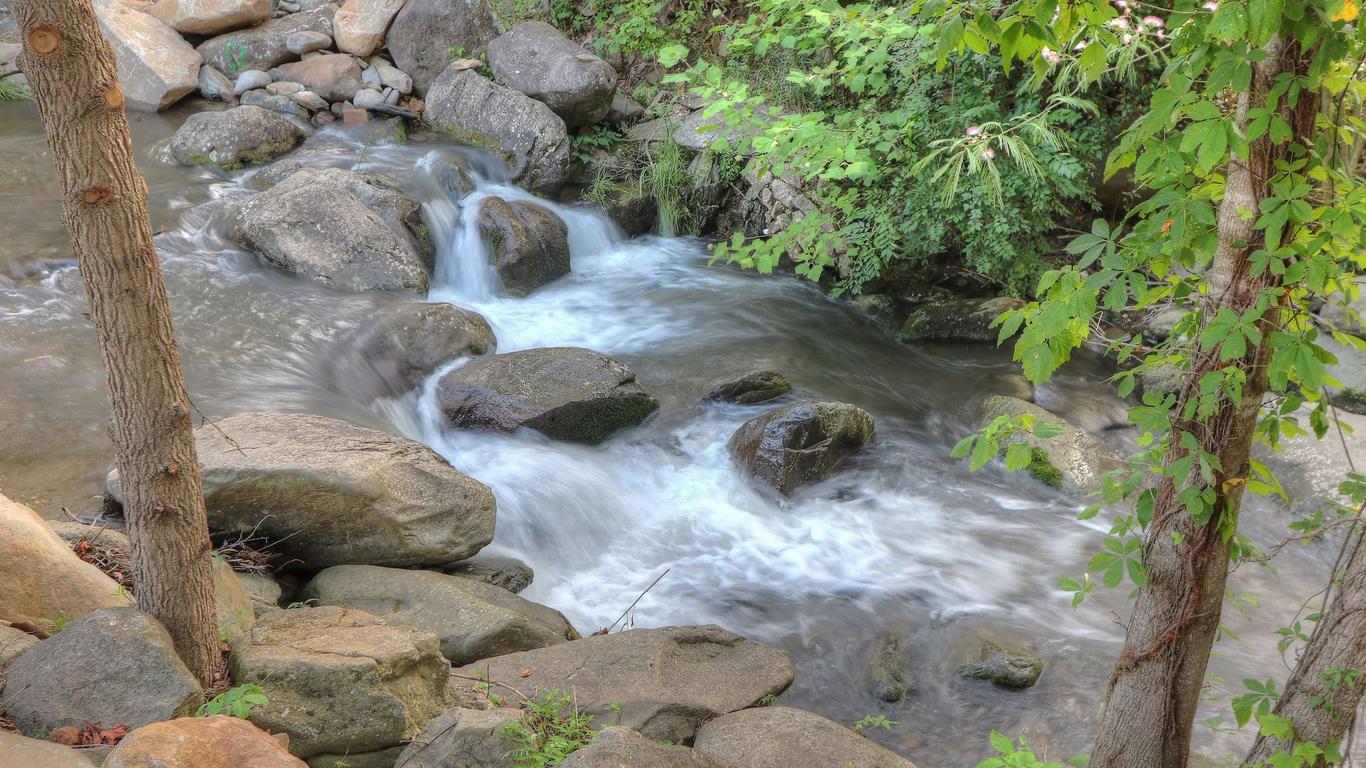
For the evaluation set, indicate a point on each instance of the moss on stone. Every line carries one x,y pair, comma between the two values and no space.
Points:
1043,469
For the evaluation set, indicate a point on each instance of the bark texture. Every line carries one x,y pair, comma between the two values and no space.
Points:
1155,688
70,69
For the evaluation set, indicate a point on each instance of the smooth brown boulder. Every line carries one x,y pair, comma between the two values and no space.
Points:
201,742
22,752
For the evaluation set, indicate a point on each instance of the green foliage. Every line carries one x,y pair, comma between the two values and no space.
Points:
53,626
237,54
666,179
551,729
1012,756
1043,469
11,90
870,722
234,702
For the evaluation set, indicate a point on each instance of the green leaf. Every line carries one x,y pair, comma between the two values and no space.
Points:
1018,456
1001,743
671,55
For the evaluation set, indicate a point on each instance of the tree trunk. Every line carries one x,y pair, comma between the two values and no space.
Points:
1323,692
1155,688
70,69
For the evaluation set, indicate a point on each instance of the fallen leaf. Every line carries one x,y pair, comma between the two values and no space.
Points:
528,672
67,735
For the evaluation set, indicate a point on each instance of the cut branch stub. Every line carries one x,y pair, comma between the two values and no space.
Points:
42,40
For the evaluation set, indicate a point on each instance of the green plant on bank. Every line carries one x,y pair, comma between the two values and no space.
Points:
666,179
236,53
53,626
1022,756
871,722
550,729
10,89
600,137
235,702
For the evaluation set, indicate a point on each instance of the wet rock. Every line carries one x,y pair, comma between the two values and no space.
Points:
201,742
888,670
473,620
1073,460
615,747
471,108
528,244
405,344
264,45
462,738
341,681
426,33
665,681
566,393
360,24
1008,668
535,59
956,320
331,493
399,211
210,17
215,85
117,667
156,67
503,572
333,76
1159,326
235,137
13,643
801,443
1010,384
34,753
41,579
307,41
753,387
791,738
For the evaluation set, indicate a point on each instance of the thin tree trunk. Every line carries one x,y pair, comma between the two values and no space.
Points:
70,69
1155,688
1323,692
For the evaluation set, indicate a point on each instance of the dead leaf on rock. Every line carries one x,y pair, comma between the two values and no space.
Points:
67,735
528,672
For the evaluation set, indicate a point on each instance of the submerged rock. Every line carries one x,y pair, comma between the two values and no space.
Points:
528,244
616,747
566,393
888,670
1072,460
114,666
536,59
201,742
36,753
234,137
427,34
405,344
801,443
753,387
156,67
1008,668
341,681
956,320
461,738
661,682
264,45
767,737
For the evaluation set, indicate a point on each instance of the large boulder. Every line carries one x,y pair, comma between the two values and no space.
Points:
331,493
792,738
473,620
427,34
618,747
404,344
801,443
661,682
234,137
201,742
956,320
328,230
400,212
115,666
751,388
333,76
566,393
41,579
360,24
533,139
264,45
462,738
209,17
528,244
340,681
537,60
156,66
1072,460
34,753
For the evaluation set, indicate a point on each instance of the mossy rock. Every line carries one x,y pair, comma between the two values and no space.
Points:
1072,461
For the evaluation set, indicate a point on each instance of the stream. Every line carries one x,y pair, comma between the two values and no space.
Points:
899,540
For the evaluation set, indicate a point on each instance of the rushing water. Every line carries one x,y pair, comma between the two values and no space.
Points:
899,540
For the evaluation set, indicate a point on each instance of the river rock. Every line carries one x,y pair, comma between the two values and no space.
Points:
664,681
504,572
400,212
473,620
283,88
34,753
264,45
528,244
210,17
462,738
307,41
956,320
801,443
251,80
616,747
427,34
753,387
472,108
405,343
1073,460
537,60
333,76
341,681
331,493
156,67
393,77
13,643
215,85
309,100
41,579
201,742
368,99
114,666
1006,667
263,591
766,737
234,137
360,24
321,227
565,393
888,670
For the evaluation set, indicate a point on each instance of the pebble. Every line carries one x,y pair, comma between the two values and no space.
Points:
307,41
395,78
366,98
251,79
371,77
283,88
254,98
309,100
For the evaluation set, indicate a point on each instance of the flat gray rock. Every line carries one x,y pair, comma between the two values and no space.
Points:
767,737
235,137
462,738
